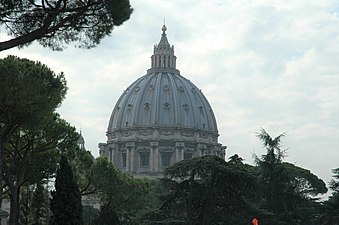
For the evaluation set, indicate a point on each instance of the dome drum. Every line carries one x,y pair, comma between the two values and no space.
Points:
151,158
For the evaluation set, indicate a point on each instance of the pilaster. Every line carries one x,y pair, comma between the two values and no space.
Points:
130,153
155,150
179,153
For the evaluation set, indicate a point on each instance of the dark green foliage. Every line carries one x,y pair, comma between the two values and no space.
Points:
121,195
39,208
156,195
108,217
330,209
82,164
334,184
205,190
287,190
57,23
29,91
66,205
89,214
25,202
235,159
30,131
31,155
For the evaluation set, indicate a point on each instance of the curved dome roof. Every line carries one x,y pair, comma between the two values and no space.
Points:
163,98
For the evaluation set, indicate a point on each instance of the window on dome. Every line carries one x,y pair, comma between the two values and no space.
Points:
166,159
147,106
166,106
123,158
144,159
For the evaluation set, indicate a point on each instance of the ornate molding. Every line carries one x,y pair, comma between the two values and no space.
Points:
143,149
145,132
166,132
154,144
126,133
203,135
130,144
179,144
187,133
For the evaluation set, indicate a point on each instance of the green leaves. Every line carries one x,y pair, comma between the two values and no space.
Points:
29,93
119,192
66,202
32,135
334,184
286,189
62,22
207,190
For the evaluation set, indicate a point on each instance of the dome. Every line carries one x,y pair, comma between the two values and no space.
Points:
163,100
161,118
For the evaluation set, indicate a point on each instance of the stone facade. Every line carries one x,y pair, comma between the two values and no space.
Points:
160,119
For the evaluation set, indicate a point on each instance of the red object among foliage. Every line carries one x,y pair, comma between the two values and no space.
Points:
255,221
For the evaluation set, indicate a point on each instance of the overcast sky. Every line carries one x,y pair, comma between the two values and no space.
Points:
261,64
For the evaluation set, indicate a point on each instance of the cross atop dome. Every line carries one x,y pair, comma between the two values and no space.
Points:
163,58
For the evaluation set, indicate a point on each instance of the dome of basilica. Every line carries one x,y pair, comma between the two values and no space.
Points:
163,100
161,118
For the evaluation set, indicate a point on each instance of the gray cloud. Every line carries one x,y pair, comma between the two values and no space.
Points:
268,64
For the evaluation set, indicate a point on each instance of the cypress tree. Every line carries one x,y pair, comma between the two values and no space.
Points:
66,205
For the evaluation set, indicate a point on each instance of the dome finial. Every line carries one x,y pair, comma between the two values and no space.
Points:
164,28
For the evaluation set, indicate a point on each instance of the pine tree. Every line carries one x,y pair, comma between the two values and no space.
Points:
66,205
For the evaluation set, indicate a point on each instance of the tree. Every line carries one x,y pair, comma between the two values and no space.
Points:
334,184
66,205
271,170
32,155
286,188
89,213
205,190
121,195
29,94
82,163
57,23
235,159
330,209
39,210
34,205
24,209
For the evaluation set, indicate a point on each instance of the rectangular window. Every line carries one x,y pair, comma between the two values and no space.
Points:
123,157
166,158
144,159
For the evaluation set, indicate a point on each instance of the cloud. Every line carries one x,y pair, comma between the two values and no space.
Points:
270,64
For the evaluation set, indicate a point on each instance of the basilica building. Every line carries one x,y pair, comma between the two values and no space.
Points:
160,119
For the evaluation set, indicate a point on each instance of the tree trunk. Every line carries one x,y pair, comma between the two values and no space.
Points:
14,208
1,167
